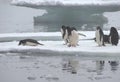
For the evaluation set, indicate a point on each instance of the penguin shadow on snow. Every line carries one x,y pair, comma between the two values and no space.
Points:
29,42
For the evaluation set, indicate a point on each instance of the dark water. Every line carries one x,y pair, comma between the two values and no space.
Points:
33,19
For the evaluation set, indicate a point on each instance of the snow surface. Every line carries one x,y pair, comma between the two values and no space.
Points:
86,46
89,34
66,2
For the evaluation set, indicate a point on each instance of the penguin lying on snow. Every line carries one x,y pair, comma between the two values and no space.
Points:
99,35
29,42
114,36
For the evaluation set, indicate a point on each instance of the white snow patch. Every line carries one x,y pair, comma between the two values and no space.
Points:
89,34
85,45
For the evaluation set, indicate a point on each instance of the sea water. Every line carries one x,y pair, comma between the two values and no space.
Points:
27,67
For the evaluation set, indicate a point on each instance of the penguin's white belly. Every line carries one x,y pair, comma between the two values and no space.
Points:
31,44
74,38
98,38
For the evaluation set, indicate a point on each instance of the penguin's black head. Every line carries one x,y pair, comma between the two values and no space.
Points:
73,28
98,28
22,42
63,27
68,30
113,30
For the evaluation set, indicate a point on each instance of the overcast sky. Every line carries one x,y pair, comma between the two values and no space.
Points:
5,1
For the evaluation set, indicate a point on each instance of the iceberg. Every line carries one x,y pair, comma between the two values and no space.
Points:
78,13
65,2
71,12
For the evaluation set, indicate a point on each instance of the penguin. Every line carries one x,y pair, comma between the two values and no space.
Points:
73,37
106,39
29,42
64,33
70,35
114,36
99,35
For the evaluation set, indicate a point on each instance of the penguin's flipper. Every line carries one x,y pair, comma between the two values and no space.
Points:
40,44
82,34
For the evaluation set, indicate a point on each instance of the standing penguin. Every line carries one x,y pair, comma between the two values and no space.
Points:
73,37
114,36
106,39
99,35
29,42
64,33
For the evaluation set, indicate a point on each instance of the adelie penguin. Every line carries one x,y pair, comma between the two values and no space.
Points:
106,39
70,35
29,42
64,33
99,35
73,37
114,36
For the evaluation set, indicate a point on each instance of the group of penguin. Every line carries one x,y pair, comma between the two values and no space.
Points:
112,38
71,37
